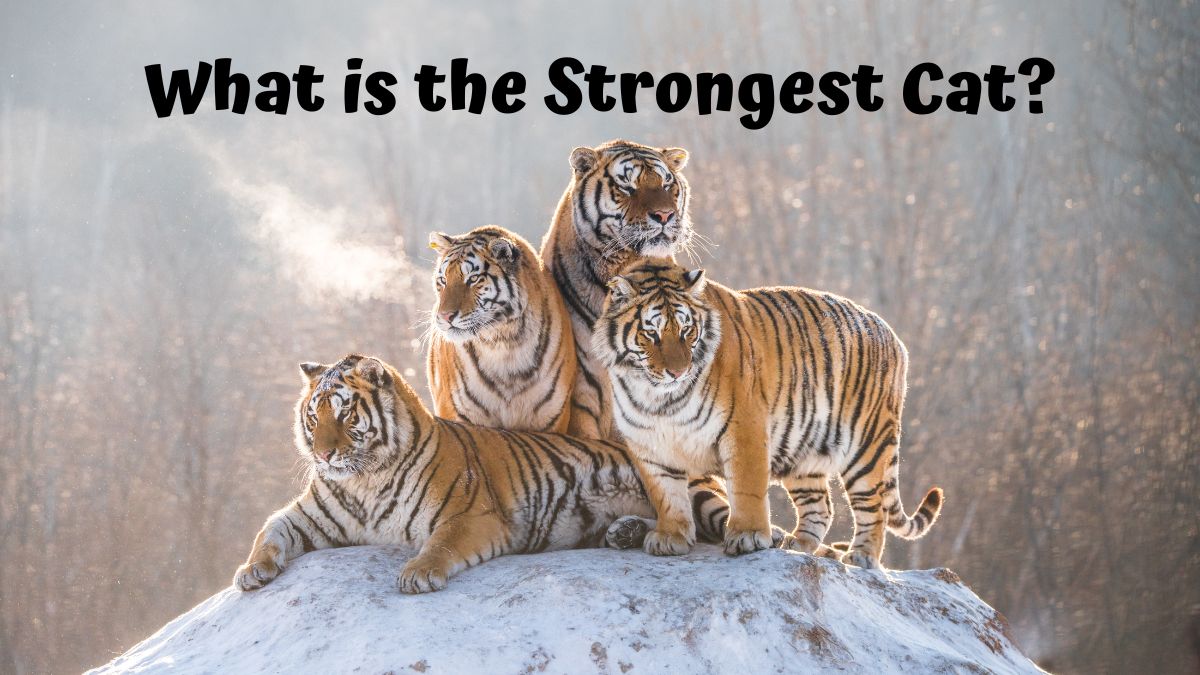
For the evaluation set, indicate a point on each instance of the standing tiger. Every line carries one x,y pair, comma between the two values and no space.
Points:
502,353
384,470
783,383
625,200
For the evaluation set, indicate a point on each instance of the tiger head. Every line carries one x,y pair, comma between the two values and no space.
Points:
630,198
345,420
480,281
656,324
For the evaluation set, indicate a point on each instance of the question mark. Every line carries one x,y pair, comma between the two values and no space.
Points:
1045,73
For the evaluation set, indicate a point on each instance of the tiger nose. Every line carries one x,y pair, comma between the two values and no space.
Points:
325,455
662,216
447,316
680,372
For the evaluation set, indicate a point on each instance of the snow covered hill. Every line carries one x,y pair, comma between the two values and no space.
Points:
601,611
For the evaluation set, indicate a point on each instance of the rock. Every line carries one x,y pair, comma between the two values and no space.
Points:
602,611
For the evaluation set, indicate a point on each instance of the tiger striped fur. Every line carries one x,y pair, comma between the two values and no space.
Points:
385,470
502,353
783,383
625,199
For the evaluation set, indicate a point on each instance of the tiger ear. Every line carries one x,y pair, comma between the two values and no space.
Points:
311,370
694,281
676,158
584,160
504,250
619,290
440,241
371,369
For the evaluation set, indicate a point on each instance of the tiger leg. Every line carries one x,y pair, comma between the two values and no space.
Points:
710,510
454,546
674,532
287,535
813,502
744,457
589,415
864,486
561,424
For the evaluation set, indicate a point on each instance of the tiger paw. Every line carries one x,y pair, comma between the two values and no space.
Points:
738,542
627,532
666,543
421,577
804,543
252,576
829,552
861,559
780,538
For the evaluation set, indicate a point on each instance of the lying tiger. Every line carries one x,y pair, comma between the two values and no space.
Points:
782,383
387,471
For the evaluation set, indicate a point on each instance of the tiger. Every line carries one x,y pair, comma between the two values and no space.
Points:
384,470
776,383
502,353
625,199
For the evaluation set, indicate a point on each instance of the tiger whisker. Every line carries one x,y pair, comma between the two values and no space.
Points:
698,241
303,469
624,240
425,323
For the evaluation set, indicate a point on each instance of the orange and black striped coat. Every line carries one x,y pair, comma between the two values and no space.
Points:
384,470
776,383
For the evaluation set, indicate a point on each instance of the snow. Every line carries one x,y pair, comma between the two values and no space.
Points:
585,611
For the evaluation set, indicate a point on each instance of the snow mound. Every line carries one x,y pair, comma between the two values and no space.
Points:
587,611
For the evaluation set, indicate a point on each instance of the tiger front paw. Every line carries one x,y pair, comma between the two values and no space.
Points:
422,577
861,559
738,542
667,543
255,575
829,552
804,543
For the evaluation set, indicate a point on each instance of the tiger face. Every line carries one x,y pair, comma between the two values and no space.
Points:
631,198
342,417
656,325
476,283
